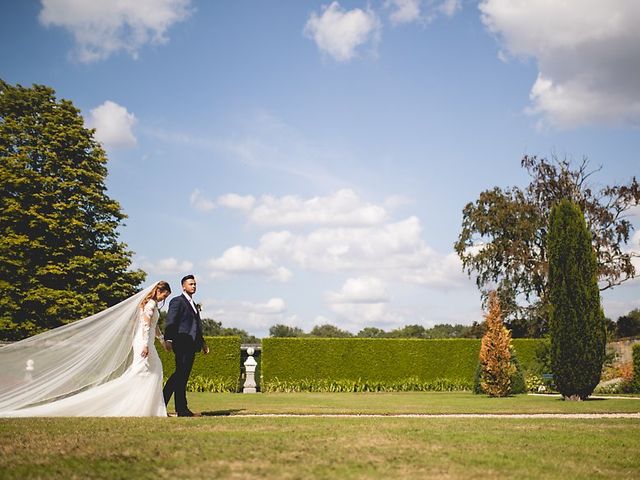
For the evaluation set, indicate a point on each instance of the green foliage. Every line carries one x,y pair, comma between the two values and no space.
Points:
442,330
525,349
219,371
303,361
635,382
409,331
628,325
329,331
344,386
212,328
371,332
212,385
285,331
511,226
477,384
60,258
576,321
543,359
517,377
367,359
534,383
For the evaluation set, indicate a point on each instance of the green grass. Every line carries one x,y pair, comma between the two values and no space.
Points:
404,403
224,447
232,446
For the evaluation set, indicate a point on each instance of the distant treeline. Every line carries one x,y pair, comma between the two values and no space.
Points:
408,331
626,326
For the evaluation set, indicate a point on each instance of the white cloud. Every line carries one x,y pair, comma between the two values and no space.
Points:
586,52
113,124
343,207
392,250
340,33
246,260
251,316
101,28
449,8
360,290
364,301
356,316
200,202
425,11
396,201
166,266
634,249
405,11
348,235
233,200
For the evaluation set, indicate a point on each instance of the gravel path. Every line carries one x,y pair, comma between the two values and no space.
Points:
601,397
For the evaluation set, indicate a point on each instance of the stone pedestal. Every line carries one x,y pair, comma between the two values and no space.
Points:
250,373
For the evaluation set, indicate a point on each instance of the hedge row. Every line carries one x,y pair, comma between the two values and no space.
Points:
636,368
286,361
217,371
525,350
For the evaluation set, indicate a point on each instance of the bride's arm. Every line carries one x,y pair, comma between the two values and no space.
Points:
147,313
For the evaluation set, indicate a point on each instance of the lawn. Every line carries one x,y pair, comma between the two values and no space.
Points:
232,446
402,403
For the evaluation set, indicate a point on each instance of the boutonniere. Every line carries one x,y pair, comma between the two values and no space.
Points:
199,307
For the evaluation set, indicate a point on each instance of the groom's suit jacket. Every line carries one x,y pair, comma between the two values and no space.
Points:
183,320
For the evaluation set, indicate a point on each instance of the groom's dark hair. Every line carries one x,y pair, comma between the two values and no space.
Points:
187,277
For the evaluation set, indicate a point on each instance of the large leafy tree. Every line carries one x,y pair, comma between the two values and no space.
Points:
576,320
629,325
60,258
503,241
281,330
329,331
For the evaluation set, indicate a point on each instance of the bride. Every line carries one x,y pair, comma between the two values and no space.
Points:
105,365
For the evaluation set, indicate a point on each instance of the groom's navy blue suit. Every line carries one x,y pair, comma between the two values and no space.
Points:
184,328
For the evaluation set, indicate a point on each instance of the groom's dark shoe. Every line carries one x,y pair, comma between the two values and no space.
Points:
186,413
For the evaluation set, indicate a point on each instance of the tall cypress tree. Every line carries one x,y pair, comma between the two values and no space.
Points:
576,320
60,258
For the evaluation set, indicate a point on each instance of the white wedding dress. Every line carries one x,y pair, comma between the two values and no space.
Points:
133,390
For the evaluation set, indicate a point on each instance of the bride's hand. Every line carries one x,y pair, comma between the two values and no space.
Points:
145,351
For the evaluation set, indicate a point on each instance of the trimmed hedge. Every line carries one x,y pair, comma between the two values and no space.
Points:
218,371
635,382
288,361
526,349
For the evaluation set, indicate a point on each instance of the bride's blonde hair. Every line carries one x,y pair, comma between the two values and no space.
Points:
161,286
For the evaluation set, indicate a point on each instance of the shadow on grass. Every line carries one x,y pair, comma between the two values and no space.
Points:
222,413
590,399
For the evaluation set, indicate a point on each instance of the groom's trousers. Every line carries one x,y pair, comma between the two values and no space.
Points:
185,352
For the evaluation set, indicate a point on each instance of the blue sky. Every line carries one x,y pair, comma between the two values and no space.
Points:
309,161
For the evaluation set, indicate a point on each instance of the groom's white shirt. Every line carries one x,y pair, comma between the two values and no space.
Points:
193,305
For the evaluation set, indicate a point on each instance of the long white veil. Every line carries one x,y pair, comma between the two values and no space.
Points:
70,358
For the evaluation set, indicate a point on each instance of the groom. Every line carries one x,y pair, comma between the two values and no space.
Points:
183,335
